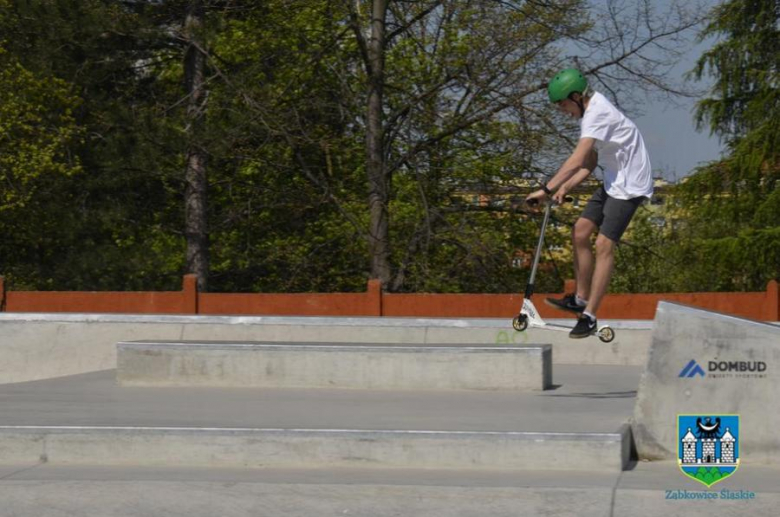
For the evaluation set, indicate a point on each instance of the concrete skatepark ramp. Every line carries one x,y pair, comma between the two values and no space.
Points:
361,416
706,363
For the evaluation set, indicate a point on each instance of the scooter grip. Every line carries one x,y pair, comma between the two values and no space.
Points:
535,202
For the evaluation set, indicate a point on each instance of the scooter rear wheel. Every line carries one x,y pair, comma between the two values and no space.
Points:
520,323
606,334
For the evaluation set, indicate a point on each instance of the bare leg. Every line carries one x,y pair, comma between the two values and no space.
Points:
605,262
583,255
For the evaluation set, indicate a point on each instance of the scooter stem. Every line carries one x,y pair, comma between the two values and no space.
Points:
529,289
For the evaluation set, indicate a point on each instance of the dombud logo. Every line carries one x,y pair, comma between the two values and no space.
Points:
724,369
736,366
692,369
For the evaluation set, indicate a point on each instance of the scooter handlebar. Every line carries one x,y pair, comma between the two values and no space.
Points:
535,202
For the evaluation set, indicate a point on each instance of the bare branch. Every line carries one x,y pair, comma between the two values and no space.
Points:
416,18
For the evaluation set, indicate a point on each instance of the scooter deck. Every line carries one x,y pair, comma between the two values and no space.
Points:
563,328
550,302
553,326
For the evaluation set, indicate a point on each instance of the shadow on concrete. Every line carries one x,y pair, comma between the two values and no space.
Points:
631,465
606,395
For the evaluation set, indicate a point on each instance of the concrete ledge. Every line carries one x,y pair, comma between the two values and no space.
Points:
350,366
294,321
40,346
310,448
207,499
54,490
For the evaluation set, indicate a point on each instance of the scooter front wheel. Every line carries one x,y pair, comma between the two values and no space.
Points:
520,323
606,334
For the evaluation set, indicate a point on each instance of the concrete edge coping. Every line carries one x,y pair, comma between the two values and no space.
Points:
518,435
463,323
330,347
680,308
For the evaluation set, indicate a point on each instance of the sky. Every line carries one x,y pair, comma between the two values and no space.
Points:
674,145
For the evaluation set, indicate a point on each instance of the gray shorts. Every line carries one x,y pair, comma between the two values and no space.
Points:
609,214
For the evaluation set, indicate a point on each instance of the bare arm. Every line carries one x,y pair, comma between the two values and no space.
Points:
567,187
581,158
577,167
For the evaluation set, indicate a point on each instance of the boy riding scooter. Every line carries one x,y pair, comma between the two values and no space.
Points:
609,137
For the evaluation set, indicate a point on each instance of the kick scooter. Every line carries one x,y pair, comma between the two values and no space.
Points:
528,313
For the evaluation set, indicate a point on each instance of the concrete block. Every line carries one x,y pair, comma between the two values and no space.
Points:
738,372
314,448
34,348
346,366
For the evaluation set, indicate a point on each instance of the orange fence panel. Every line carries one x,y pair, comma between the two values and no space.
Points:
756,305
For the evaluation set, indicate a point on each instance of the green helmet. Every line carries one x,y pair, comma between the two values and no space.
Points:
565,83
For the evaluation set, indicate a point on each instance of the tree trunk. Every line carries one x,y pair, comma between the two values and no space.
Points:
378,182
195,217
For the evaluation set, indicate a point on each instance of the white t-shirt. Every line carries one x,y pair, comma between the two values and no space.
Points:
622,153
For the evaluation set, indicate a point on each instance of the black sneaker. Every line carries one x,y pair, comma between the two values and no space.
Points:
567,303
585,327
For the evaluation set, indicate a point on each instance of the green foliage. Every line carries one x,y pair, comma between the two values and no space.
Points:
744,63
733,206
94,230
37,131
285,178
645,261
93,136
456,129
722,230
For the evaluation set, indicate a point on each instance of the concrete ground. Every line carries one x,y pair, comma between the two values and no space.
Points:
584,399
88,418
59,491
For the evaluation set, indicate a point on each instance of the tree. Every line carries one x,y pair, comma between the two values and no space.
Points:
285,174
109,226
304,125
453,67
734,204
196,183
447,82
